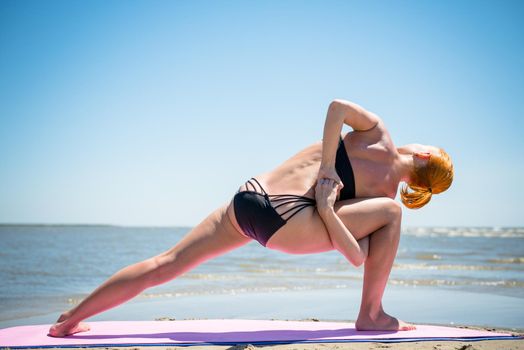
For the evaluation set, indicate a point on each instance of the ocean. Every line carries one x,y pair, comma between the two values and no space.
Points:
46,269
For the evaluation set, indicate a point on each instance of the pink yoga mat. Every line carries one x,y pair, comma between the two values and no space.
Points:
226,332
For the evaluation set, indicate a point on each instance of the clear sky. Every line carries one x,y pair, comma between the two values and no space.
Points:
154,112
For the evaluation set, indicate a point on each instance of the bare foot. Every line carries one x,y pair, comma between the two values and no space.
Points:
382,322
63,328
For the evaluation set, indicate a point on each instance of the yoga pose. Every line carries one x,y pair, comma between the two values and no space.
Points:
335,194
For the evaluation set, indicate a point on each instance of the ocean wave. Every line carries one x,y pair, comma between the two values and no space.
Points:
289,288
210,277
471,232
424,266
425,256
221,291
506,261
462,282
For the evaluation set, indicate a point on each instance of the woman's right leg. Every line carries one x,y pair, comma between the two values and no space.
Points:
213,237
378,218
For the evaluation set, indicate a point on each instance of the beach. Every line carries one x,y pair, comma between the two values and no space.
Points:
126,124
453,277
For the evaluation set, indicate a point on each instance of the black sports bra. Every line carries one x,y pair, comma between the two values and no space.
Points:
345,171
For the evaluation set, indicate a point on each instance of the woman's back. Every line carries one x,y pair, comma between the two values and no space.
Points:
371,154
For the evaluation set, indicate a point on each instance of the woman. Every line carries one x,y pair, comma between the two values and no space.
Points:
335,194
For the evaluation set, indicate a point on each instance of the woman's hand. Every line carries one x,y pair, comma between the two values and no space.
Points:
326,195
329,173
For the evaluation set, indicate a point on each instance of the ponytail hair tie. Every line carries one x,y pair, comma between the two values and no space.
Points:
430,190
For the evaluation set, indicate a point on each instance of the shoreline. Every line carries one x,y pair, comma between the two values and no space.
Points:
446,307
334,305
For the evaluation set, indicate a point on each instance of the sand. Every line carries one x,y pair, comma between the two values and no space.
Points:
428,345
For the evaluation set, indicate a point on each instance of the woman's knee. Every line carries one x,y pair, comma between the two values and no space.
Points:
392,209
393,212
388,210
195,248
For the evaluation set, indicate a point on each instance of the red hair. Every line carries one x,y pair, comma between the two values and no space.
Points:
434,177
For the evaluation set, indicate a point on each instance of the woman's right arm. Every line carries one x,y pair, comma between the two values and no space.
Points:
341,112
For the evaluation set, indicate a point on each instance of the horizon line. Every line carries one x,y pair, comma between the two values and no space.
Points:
7,224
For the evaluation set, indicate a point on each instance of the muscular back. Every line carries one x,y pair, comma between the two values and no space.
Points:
372,154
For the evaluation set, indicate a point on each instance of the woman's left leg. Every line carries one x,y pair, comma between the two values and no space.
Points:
212,237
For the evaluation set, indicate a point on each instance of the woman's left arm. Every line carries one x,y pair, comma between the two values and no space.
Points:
343,241
341,112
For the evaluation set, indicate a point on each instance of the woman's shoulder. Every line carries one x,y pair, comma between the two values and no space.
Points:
374,143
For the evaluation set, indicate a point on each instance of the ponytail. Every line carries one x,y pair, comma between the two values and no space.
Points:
416,198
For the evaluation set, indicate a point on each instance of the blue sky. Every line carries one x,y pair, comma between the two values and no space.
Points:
154,112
